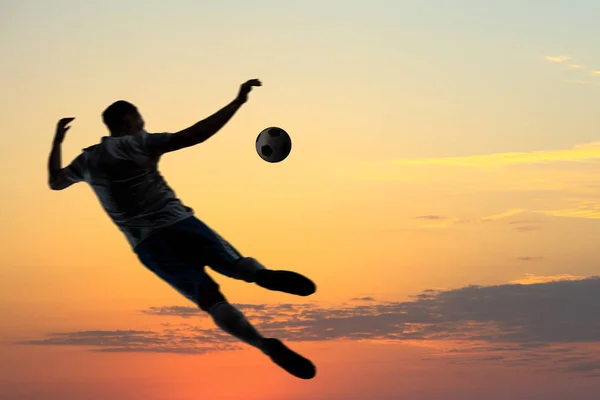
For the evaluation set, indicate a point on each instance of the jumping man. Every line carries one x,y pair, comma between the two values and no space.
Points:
164,233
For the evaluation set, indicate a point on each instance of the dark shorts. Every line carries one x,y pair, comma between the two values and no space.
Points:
179,253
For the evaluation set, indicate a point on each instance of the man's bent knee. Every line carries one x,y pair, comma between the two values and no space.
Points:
246,268
207,299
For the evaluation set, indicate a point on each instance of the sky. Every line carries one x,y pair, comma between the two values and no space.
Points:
442,191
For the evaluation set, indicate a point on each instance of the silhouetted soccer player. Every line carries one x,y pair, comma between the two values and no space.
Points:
164,233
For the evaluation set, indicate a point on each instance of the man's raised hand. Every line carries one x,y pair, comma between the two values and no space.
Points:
61,129
246,88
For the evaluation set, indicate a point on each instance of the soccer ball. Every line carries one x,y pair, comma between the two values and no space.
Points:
273,144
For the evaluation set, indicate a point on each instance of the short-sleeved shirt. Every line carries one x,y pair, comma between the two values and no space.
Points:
123,172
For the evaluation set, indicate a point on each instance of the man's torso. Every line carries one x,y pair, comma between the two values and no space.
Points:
124,176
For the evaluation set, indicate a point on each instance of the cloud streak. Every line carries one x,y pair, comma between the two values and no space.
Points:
572,66
578,153
549,322
438,222
181,340
531,279
558,59
531,259
580,209
432,217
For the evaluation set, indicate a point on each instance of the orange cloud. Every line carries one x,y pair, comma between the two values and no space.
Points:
531,279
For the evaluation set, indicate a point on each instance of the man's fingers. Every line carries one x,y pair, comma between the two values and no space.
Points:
62,128
246,87
64,121
253,82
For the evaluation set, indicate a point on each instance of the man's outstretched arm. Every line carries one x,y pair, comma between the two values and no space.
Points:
206,128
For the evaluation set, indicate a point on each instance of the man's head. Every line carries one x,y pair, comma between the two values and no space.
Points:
122,118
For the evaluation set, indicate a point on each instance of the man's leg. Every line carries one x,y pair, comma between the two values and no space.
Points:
170,255
232,321
229,318
250,270
226,260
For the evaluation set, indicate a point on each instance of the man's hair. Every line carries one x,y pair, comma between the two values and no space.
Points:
114,114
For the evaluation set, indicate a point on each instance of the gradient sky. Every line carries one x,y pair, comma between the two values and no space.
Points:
442,190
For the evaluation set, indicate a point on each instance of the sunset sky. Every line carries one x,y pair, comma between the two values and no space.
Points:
443,191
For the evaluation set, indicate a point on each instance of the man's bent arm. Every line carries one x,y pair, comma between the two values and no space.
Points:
58,178
54,164
204,129
61,178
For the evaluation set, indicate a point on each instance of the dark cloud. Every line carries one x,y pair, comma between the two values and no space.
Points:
552,324
584,367
92,338
179,311
363,299
524,225
179,349
536,258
